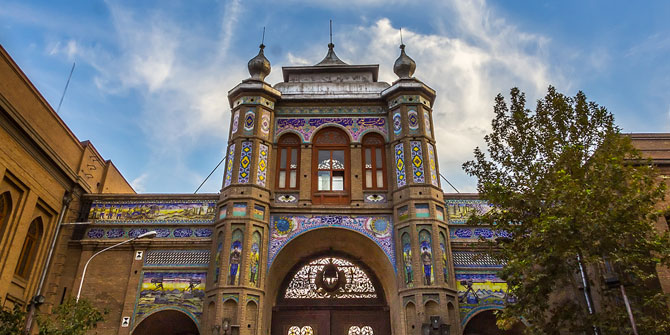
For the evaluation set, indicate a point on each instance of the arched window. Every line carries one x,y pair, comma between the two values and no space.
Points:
374,167
5,211
30,247
288,162
330,182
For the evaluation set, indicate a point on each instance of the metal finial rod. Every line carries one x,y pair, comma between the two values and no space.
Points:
263,38
331,31
401,36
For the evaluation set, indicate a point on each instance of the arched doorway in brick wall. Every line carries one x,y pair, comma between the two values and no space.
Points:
330,293
484,323
167,322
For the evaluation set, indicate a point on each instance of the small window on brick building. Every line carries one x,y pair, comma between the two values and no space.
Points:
374,167
288,161
29,252
330,181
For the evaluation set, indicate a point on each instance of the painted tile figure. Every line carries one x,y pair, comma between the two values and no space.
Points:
255,259
217,258
426,256
407,259
235,258
184,290
445,264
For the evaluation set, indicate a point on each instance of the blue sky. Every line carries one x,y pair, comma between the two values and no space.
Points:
149,88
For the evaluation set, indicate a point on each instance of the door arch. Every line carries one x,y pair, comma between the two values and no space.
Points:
330,293
484,323
167,322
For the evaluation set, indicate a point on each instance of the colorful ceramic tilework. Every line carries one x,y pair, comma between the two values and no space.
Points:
254,298
233,297
407,257
229,165
417,162
157,211
433,165
476,233
375,198
287,198
265,124
426,123
181,290
459,210
308,126
255,258
475,259
261,174
259,212
397,124
236,122
403,213
235,256
254,100
408,99
284,228
488,291
223,212
426,255
400,177
443,250
162,232
413,120
421,211
249,118
240,209
245,162
330,110
439,213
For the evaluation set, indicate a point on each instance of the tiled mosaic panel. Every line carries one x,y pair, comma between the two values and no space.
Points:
413,120
306,127
289,198
417,162
330,110
403,213
375,198
401,178
236,122
249,119
488,292
284,228
261,174
235,255
162,232
245,162
265,124
229,165
177,258
240,209
255,258
397,124
474,259
421,211
184,291
408,272
433,165
475,233
426,255
426,123
459,210
165,211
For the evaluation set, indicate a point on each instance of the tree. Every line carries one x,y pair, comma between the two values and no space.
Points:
564,182
71,318
12,321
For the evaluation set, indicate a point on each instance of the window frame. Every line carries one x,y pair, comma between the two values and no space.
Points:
373,156
331,197
282,144
26,262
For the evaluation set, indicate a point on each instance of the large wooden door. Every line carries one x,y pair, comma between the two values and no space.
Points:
330,295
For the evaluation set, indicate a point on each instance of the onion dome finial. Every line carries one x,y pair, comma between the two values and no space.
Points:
259,66
404,66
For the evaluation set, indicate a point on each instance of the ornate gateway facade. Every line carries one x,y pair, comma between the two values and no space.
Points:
331,220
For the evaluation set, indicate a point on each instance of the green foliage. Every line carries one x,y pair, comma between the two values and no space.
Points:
12,321
564,182
70,318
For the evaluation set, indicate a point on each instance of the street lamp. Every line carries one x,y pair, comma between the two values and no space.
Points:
149,234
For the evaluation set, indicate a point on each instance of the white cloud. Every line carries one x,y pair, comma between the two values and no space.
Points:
139,183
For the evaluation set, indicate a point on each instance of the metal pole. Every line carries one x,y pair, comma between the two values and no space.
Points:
83,273
587,292
630,312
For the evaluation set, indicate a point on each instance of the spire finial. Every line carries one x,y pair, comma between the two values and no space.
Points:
331,31
263,38
404,66
259,66
401,36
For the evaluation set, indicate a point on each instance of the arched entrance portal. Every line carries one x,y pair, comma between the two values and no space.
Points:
484,323
330,294
167,322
